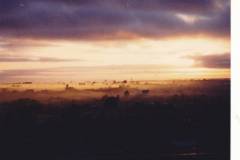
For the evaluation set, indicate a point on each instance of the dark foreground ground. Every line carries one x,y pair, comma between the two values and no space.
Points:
174,127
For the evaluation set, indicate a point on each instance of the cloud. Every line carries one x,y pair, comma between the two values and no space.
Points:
112,19
109,72
212,61
8,58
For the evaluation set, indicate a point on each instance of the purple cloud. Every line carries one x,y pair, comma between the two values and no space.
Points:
212,61
94,19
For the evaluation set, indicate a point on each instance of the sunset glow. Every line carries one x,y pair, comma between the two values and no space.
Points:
139,49
115,79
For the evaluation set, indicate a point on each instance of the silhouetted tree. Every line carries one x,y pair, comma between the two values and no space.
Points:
145,91
111,101
126,93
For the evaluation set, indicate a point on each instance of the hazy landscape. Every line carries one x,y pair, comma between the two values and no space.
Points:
115,79
47,92
184,119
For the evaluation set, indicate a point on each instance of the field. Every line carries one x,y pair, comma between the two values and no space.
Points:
177,119
46,92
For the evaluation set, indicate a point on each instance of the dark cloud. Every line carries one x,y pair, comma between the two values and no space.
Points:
95,19
176,5
212,61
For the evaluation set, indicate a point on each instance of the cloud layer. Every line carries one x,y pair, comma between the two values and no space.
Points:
117,72
212,61
95,19
35,31
33,59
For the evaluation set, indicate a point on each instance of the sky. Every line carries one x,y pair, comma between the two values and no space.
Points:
78,40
